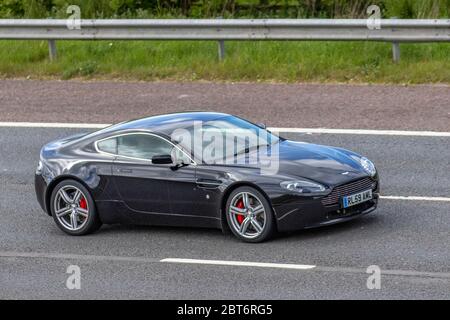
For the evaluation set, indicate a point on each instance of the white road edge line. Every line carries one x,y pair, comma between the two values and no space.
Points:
275,129
53,125
363,132
415,198
241,263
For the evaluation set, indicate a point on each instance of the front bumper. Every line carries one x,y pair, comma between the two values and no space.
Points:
296,213
40,187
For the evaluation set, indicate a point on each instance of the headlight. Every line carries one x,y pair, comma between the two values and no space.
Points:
303,186
368,166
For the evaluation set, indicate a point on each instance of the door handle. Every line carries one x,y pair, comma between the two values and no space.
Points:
122,170
208,183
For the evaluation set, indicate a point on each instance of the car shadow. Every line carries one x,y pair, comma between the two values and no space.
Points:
193,233
163,230
329,231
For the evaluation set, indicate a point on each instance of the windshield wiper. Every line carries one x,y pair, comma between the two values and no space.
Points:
247,150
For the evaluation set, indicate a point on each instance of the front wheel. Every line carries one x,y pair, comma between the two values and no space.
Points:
249,215
73,208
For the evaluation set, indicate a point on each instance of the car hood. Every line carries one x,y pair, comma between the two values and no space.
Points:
324,164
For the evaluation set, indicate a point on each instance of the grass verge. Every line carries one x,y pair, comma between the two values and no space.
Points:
282,61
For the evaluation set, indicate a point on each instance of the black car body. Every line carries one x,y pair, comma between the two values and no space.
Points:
131,190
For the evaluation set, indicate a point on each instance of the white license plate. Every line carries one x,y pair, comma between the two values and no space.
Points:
356,198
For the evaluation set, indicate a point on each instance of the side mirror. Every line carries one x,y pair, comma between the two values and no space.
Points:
261,125
162,159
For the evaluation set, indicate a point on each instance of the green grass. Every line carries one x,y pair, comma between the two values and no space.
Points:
354,62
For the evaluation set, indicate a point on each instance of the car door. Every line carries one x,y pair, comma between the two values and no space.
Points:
195,196
182,193
142,185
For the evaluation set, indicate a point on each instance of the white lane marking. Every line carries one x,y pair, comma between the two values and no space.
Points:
411,273
64,256
402,273
241,263
416,198
364,132
275,129
53,125
125,259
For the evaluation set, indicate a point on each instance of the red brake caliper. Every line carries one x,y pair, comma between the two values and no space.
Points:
240,205
83,203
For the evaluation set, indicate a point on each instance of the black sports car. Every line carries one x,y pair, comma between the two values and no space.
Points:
201,169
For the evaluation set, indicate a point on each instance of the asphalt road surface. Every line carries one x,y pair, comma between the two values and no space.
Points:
408,239
402,236
280,105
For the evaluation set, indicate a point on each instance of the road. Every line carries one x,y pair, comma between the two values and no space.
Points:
407,239
280,105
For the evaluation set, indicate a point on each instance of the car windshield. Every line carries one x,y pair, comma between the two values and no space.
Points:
223,138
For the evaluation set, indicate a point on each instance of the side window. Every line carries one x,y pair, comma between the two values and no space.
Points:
108,146
142,146
179,156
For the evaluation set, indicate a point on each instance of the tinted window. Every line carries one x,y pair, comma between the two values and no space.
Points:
142,146
109,146
234,136
179,156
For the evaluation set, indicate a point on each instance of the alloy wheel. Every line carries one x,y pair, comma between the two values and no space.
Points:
247,215
71,208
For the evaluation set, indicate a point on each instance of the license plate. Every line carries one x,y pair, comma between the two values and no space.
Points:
356,198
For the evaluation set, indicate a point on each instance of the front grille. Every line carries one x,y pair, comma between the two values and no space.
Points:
348,189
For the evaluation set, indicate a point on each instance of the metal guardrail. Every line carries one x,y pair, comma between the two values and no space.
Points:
387,30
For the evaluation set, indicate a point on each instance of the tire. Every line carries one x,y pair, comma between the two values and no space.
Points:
75,218
241,217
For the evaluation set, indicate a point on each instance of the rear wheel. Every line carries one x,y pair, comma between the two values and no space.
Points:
73,208
249,215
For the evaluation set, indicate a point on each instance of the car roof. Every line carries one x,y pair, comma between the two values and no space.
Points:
164,123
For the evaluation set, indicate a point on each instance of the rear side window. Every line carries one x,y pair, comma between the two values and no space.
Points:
108,146
142,146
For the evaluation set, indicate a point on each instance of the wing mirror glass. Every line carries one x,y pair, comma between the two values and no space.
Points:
162,159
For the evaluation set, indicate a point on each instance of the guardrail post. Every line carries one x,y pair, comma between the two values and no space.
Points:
396,52
221,50
52,49
221,47
395,49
